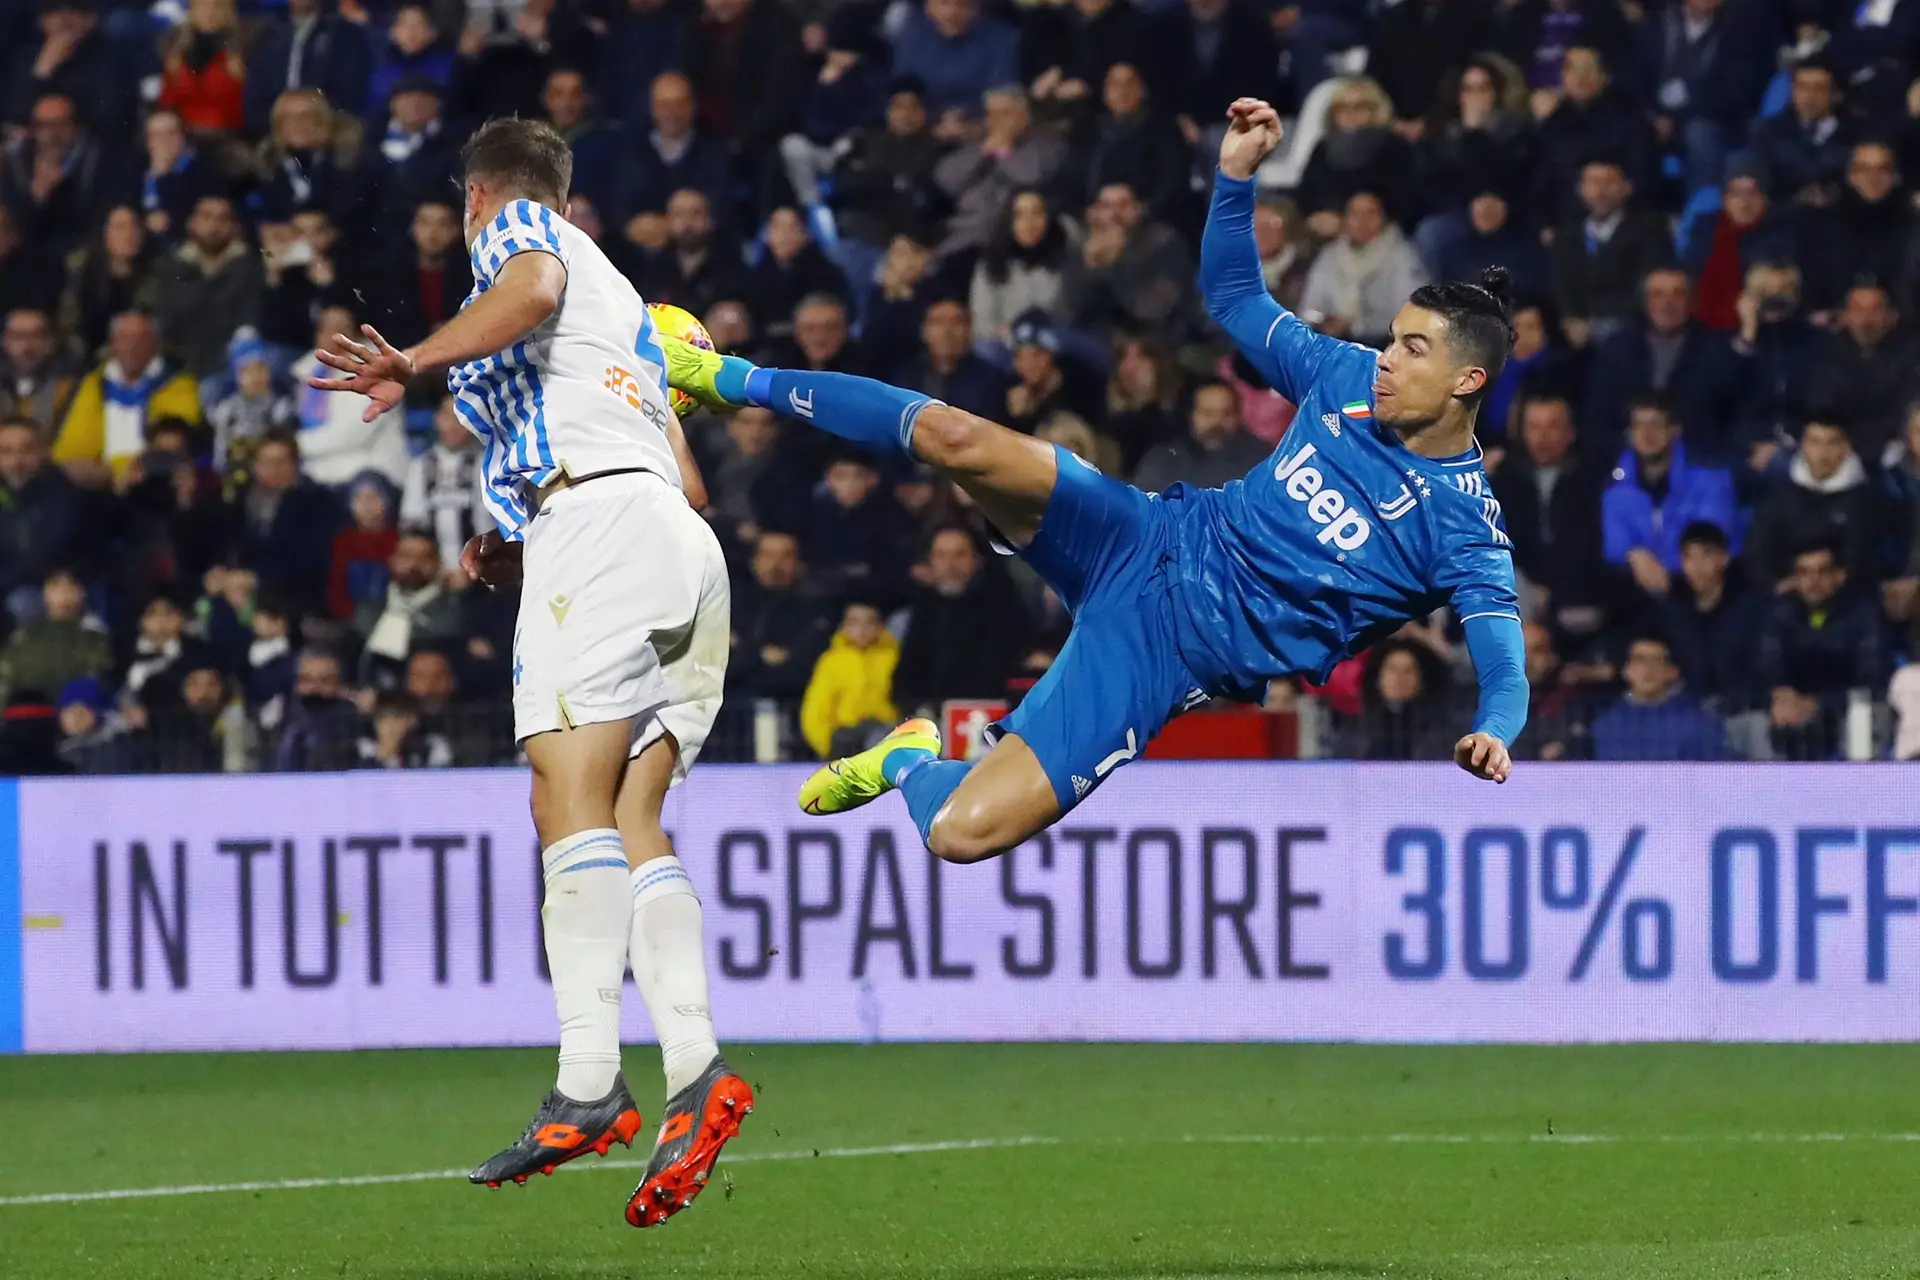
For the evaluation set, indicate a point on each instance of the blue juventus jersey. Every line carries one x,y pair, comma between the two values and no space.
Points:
1343,534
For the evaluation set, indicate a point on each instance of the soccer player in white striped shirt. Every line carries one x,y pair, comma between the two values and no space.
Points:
620,649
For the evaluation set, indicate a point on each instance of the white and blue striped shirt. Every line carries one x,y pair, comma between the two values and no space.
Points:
585,392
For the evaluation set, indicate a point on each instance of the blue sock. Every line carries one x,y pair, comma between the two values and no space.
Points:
926,784
869,413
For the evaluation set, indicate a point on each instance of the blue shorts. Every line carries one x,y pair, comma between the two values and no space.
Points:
1107,549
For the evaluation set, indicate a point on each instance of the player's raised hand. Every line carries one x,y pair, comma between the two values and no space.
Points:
1483,756
374,368
1253,131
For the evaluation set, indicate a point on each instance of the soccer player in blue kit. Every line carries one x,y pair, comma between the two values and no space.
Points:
1374,510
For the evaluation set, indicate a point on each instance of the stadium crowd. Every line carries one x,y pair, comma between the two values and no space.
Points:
1706,443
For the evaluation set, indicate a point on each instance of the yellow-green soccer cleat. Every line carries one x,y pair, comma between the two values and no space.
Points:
848,783
693,370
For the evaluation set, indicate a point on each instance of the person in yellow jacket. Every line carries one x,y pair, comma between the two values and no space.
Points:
852,684
106,426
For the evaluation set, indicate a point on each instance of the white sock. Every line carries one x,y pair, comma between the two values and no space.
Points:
670,968
586,916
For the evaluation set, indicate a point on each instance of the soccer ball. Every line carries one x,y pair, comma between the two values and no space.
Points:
684,325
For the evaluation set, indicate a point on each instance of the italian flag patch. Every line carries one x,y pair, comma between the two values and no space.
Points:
1358,409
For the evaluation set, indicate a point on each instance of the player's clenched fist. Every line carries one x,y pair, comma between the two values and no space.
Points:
1483,756
492,560
1253,131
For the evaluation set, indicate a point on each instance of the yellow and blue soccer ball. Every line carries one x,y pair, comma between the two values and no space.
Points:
677,322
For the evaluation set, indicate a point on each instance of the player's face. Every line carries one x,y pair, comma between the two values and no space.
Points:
1416,377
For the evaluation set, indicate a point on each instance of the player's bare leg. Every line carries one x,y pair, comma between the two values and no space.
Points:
705,1100
587,917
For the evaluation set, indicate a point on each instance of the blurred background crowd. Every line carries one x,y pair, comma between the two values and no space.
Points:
1706,444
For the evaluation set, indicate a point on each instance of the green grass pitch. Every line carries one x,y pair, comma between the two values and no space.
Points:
1114,1161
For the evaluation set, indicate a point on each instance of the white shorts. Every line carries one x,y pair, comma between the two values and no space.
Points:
624,615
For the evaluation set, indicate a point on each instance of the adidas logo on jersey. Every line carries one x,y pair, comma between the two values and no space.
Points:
1340,523
1081,786
1331,421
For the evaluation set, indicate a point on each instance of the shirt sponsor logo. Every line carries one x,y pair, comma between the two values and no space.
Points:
1340,523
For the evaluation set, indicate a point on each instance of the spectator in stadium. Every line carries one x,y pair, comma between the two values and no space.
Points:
1131,143
1476,140
434,685
979,178
106,279
1656,493
310,160
1710,615
336,444
413,607
204,77
695,270
1867,370
1778,347
313,48
1704,65
442,490
751,481
1863,235
1217,447
223,615
1901,464
63,644
36,383
267,675
162,655
504,56
643,39
94,738
416,158
624,254
287,526
1665,351
947,369
1068,51
106,428
362,549
41,518
1020,270
1132,274
895,307
1722,246
1538,360
1416,43
1824,497
964,627
1360,281
189,733
779,627
1590,117
791,270
855,531
77,60
1209,52
675,154
1043,384
300,275
1492,239
414,54
1143,398
1285,249
175,176
29,277
959,55
320,730
1404,712
396,738
1823,639
212,285
883,186
175,523
749,74
56,179
1358,152
1803,150
420,286
605,162
819,337
1654,719
848,701
1600,259
1550,491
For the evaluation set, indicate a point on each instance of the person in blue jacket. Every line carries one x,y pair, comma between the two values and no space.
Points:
1656,493
1655,719
1374,510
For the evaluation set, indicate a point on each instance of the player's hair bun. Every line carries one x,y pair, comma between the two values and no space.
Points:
1498,283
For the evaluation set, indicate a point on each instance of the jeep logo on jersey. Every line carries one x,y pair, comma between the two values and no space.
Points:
1341,524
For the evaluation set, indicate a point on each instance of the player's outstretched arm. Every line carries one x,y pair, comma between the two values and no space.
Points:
1281,345
1499,652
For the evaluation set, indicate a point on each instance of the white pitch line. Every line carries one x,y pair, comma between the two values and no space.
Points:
578,1166
978,1144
